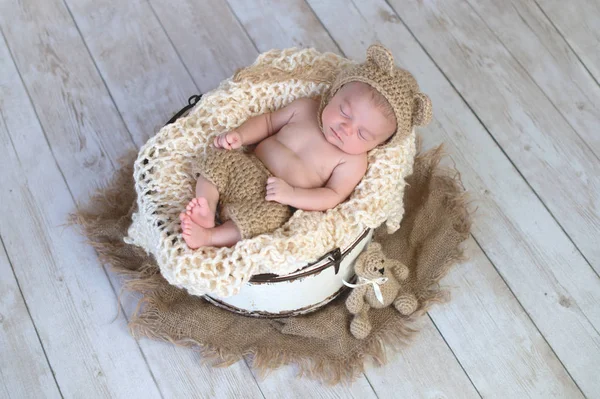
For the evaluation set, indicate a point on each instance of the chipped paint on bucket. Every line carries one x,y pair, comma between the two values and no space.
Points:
300,292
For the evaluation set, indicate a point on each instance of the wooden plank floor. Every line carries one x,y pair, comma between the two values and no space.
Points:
516,100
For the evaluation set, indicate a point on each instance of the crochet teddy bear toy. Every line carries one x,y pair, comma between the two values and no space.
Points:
378,286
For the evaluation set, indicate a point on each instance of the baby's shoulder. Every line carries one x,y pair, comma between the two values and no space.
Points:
358,162
305,105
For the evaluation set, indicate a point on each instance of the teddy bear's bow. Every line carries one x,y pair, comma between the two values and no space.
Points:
376,282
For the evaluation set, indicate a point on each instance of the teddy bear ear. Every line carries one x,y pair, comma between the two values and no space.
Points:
374,247
381,57
422,110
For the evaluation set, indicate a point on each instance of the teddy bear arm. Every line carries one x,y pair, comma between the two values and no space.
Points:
400,271
356,300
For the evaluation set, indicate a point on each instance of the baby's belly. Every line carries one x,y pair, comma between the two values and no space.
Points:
285,164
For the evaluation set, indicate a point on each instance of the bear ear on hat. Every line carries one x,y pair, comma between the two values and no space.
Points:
422,110
381,57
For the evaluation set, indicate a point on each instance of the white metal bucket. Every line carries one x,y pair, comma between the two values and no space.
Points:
300,292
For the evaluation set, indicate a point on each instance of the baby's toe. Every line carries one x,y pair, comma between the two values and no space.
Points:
201,201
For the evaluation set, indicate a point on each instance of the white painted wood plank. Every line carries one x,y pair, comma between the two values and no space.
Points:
424,368
68,295
374,21
539,48
556,162
181,373
208,38
494,339
138,64
24,369
178,373
579,22
282,24
284,383
63,83
417,376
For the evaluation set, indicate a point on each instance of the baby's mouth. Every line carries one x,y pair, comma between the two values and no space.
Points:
336,134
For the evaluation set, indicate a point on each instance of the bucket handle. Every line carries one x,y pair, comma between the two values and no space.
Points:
193,100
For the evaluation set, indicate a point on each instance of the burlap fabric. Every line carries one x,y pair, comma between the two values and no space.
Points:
435,223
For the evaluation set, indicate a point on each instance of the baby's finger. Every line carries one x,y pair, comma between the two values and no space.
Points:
224,143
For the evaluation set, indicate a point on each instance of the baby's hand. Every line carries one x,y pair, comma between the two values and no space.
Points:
228,140
279,191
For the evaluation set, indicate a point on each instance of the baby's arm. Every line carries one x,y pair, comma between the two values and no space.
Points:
340,185
259,127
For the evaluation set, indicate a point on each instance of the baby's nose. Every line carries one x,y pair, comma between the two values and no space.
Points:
346,130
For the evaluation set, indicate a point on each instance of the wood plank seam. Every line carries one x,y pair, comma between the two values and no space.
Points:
241,25
452,351
27,307
112,99
174,49
324,27
567,42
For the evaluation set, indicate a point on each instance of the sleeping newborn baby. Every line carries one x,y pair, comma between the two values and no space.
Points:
308,155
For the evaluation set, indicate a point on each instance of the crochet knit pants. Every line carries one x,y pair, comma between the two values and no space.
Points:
241,180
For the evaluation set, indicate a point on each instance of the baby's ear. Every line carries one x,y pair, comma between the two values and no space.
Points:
422,110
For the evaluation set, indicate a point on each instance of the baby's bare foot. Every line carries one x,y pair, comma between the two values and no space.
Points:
194,235
200,213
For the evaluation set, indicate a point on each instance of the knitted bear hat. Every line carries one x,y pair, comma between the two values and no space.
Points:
398,86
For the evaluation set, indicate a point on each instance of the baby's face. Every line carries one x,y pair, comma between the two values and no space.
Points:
352,122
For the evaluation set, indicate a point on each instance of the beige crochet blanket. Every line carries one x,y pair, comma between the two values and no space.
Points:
164,183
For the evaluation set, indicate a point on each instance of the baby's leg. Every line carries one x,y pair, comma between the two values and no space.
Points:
202,209
196,236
